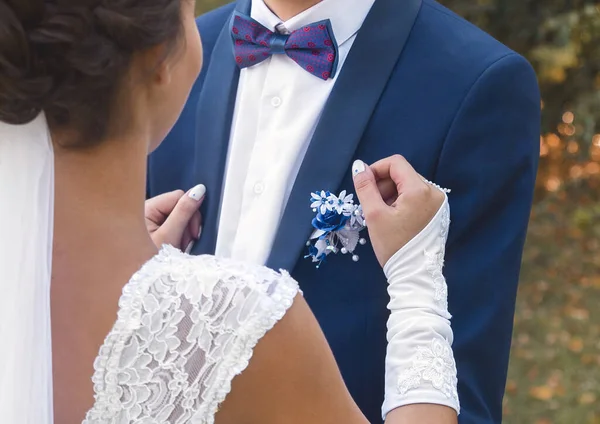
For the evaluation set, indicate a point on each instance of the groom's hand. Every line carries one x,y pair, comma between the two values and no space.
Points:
173,218
397,203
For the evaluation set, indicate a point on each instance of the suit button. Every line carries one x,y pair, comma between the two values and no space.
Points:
276,101
259,187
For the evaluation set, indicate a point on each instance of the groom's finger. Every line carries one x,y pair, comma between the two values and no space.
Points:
366,189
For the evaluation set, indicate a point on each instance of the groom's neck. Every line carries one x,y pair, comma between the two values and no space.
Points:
286,9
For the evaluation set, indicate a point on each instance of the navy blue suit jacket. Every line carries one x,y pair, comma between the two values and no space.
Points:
464,110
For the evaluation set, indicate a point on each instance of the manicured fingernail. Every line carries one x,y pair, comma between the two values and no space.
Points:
199,232
197,192
188,249
357,167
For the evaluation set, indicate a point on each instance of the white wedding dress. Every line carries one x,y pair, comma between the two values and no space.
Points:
187,326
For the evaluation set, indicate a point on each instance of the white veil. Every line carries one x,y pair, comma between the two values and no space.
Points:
26,226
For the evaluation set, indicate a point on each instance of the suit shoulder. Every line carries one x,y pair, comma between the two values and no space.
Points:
458,42
211,23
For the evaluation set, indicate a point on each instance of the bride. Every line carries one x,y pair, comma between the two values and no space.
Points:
87,89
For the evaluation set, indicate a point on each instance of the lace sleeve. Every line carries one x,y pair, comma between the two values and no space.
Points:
186,327
420,366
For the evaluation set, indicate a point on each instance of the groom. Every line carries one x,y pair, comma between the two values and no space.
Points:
397,77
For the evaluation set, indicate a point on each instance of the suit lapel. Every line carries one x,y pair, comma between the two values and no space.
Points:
357,90
214,115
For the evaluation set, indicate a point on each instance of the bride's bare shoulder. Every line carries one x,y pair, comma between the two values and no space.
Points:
292,378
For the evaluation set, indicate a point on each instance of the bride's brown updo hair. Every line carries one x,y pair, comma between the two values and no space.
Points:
68,57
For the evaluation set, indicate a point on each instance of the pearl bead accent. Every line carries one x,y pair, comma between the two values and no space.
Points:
362,241
445,190
355,258
344,250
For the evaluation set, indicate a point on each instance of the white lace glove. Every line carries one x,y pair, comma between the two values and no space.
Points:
420,366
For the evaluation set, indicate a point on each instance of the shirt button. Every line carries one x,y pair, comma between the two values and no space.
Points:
276,102
259,187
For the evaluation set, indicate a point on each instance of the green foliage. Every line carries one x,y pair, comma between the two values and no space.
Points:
554,369
561,39
203,6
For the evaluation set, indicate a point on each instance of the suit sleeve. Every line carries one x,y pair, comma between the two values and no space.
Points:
489,160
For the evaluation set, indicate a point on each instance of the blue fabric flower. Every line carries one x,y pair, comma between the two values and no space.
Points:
329,221
337,224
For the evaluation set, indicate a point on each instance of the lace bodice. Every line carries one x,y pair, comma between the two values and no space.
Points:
186,327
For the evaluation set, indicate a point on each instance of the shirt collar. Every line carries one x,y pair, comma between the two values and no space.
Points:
346,16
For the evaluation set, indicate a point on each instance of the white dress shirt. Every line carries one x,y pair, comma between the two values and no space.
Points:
277,108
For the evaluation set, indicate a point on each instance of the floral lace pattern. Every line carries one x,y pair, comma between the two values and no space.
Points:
186,327
435,264
434,365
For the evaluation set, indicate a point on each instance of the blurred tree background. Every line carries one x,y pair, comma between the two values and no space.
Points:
554,375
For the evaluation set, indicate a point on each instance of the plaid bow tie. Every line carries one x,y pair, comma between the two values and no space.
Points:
312,47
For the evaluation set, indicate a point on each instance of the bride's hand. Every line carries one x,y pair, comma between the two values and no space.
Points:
396,201
173,218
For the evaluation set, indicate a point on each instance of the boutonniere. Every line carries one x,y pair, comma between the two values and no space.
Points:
337,225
